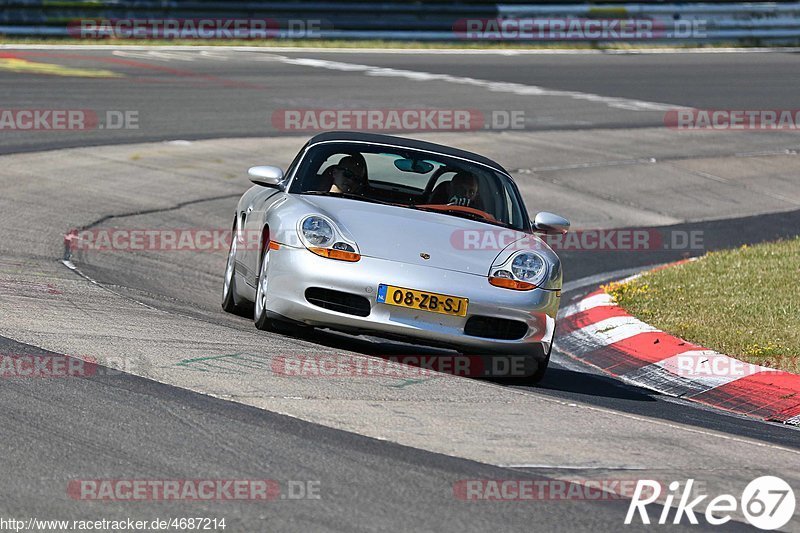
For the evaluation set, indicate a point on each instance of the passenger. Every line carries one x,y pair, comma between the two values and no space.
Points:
463,190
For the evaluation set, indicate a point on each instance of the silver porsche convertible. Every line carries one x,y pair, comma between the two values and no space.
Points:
397,238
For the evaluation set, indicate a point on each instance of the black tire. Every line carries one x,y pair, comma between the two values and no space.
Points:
540,372
230,302
536,376
285,327
262,318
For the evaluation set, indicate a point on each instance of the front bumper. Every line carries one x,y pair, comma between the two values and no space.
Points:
293,270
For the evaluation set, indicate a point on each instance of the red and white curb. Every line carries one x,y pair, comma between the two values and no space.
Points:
597,331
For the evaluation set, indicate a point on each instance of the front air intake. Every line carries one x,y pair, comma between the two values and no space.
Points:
342,302
495,328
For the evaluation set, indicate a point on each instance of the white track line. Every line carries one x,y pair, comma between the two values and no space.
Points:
591,302
609,331
598,279
493,86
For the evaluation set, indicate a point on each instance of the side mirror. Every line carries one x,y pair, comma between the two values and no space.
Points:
266,176
550,223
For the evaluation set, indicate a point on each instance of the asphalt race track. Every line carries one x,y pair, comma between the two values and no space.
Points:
385,453
219,93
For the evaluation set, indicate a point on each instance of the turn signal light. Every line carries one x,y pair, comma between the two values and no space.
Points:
512,284
340,255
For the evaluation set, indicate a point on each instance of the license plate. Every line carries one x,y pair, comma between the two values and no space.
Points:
423,300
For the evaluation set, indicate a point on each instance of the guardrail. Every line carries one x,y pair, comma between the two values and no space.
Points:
712,21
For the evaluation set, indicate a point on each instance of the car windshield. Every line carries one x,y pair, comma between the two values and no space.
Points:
411,178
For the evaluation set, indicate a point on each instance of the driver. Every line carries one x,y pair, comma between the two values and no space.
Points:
463,190
348,175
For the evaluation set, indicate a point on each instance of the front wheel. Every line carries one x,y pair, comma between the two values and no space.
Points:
540,372
261,315
529,380
231,303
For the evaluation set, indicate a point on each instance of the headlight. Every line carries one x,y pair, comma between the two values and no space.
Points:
321,236
528,267
522,272
317,231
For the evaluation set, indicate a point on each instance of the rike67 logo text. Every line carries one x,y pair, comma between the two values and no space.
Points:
767,503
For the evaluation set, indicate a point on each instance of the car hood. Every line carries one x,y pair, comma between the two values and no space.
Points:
407,236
